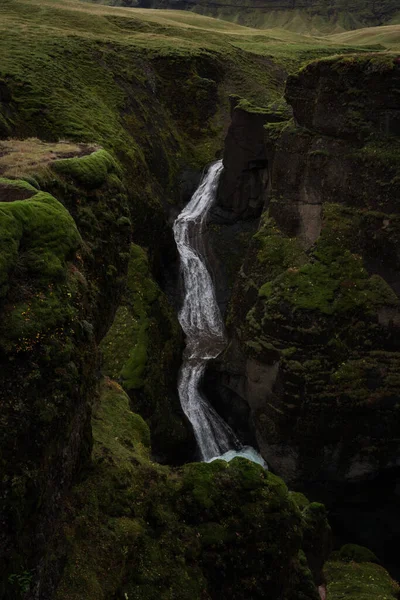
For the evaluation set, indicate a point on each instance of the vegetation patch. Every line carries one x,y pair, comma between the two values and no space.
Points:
147,531
361,581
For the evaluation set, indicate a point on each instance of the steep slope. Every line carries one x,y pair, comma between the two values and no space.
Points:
314,314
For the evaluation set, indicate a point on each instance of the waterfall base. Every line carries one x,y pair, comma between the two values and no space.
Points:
245,452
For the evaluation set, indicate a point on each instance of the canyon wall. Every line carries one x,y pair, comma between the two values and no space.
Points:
314,316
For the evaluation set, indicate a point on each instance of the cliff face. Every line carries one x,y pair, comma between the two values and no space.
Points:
314,317
57,296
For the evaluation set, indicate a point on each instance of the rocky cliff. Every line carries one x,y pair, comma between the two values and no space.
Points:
314,317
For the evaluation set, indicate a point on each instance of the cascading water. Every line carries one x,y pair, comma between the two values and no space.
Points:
202,323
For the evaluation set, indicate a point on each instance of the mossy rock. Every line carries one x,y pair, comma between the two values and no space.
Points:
358,554
150,532
50,233
90,171
300,500
142,350
359,581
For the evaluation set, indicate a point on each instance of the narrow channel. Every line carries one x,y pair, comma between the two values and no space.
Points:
203,326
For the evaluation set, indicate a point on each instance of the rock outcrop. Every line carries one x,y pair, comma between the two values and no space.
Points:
314,316
235,216
56,296
143,350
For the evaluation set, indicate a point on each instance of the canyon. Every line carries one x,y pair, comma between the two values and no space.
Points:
287,305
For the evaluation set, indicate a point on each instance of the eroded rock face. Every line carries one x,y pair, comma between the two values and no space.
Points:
241,194
245,176
314,315
51,314
348,98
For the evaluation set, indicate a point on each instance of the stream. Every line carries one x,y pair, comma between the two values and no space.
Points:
202,323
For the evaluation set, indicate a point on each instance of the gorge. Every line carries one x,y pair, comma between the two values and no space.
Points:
112,431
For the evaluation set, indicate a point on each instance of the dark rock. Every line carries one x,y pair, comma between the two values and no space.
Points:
314,317
245,175
348,97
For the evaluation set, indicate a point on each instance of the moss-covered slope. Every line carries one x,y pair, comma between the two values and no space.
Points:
353,573
54,303
143,531
142,349
316,308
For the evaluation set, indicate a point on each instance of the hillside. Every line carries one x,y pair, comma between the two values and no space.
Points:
301,16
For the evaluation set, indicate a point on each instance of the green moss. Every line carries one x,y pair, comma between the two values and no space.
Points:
49,233
365,581
150,532
358,554
116,427
277,252
371,63
104,524
199,479
21,184
300,500
334,280
125,347
38,238
90,171
247,106
142,349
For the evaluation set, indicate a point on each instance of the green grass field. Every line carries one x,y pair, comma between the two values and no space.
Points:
73,68
387,36
168,29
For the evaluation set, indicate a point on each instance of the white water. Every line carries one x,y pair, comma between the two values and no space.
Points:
202,323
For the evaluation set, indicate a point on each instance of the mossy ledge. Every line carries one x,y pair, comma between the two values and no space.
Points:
142,350
144,531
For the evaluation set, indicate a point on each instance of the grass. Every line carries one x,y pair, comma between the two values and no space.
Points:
311,19
151,86
20,157
387,36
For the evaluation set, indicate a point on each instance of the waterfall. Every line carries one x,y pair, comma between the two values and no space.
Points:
203,326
